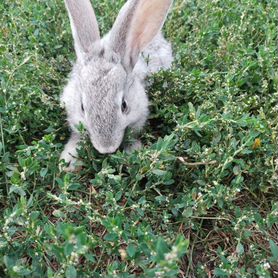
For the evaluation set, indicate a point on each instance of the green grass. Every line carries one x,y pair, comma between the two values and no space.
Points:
199,200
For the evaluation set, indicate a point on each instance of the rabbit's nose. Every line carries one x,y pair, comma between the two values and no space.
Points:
106,150
103,145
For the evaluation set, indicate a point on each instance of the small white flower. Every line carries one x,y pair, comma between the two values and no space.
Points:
266,265
173,255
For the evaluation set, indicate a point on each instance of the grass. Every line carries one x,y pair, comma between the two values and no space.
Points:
199,200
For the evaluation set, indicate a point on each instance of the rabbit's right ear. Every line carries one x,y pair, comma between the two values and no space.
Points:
138,22
83,25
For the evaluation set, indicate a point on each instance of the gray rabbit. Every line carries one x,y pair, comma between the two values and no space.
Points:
105,91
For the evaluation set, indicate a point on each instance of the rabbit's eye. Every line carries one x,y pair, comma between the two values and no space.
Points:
82,107
124,107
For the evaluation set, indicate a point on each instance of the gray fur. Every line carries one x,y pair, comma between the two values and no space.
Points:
121,26
100,81
83,24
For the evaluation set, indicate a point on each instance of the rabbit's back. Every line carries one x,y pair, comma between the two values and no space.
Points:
155,57
158,54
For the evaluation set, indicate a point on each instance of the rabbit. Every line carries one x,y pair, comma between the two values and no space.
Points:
106,88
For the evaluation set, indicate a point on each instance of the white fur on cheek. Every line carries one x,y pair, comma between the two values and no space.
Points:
138,101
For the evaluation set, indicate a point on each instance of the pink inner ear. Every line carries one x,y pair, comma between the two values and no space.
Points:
147,21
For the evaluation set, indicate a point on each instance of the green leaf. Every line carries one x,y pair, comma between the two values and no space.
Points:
71,272
192,109
131,250
17,189
118,195
236,170
43,172
9,261
159,172
274,250
68,249
161,248
34,215
160,199
111,237
90,257
220,273
188,212
239,248
58,213
182,244
21,270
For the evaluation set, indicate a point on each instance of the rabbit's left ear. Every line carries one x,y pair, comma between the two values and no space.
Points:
136,25
83,25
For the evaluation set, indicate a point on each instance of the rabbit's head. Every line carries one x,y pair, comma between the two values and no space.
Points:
106,95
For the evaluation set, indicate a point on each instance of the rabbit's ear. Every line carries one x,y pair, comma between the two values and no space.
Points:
136,25
83,25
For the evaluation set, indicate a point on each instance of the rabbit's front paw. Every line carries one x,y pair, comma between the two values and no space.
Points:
69,155
68,162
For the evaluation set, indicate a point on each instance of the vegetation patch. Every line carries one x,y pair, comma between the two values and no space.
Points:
199,200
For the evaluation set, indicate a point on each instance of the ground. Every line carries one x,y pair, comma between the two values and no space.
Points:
198,200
